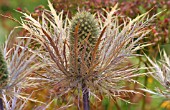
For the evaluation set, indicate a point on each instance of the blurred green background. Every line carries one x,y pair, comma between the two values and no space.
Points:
9,7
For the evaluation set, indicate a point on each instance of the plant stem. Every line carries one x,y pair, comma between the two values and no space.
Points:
1,104
85,96
117,106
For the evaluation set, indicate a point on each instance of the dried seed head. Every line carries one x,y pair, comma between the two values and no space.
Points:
3,71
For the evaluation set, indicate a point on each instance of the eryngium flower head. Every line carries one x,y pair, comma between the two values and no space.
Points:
107,70
3,71
17,63
87,26
84,31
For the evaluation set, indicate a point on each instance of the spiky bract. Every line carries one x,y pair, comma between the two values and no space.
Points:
160,70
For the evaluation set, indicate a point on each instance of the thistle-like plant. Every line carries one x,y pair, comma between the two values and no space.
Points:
84,31
84,28
88,55
16,63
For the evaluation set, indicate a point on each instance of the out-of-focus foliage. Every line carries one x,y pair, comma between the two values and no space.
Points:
9,7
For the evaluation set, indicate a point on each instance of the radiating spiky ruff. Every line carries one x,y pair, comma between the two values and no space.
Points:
21,63
161,72
3,71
